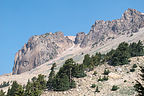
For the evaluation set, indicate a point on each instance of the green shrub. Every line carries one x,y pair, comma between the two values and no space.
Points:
125,80
134,66
94,73
4,84
72,84
97,90
106,72
93,86
128,72
132,70
105,78
114,88
100,79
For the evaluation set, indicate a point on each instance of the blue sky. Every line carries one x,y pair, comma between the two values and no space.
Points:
20,19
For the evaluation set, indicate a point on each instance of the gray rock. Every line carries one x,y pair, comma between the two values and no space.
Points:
39,50
79,38
130,22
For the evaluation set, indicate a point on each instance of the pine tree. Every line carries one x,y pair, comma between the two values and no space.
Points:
15,90
78,71
20,91
42,82
51,77
28,90
97,59
68,68
140,49
2,93
63,79
136,49
133,49
61,83
139,87
86,60
35,87
121,55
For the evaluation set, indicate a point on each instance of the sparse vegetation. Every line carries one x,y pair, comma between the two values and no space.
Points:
139,86
15,90
125,80
63,79
93,85
106,72
4,84
2,93
97,89
132,70
105,78
33,88
124,51
114,88
134,66
95,73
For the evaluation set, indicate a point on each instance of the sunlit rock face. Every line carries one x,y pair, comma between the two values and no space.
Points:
39,50
130,22
42,48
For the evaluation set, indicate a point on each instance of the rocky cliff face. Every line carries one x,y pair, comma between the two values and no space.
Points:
79,38
130,22
39,50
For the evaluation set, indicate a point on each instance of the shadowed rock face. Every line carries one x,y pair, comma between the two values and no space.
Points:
39,50
79,37
130,22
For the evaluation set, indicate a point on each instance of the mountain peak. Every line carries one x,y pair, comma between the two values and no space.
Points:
43,48
129,13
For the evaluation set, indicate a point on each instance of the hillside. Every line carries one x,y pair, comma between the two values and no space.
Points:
73,52
120,76
40,52
43,48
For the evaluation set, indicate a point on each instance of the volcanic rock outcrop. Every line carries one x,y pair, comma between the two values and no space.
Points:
130,22
39,50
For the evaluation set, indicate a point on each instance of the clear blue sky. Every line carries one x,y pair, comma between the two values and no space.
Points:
20,19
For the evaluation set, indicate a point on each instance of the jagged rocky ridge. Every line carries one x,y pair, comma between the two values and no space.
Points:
130,22
41,49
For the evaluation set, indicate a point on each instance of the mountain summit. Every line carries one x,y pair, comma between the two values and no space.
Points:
130,22
39,50
43,48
